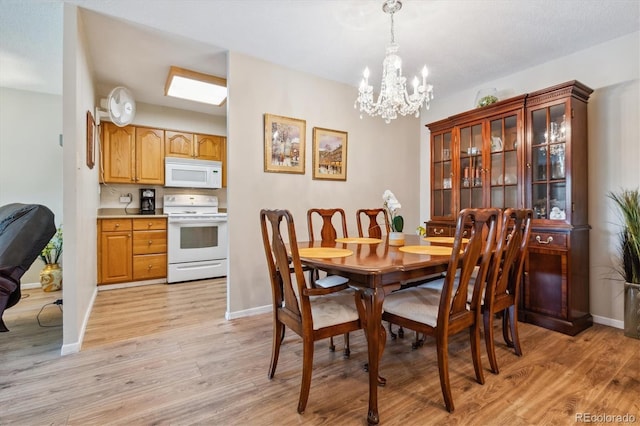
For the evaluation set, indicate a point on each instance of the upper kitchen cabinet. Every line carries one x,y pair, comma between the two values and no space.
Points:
132,154
198,146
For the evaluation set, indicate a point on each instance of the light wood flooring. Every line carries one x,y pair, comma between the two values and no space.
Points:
165,355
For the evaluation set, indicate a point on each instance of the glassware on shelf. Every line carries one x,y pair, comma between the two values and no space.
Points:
557,161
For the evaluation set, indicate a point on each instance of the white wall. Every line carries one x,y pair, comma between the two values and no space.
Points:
612,70
380,156
31,154
81,186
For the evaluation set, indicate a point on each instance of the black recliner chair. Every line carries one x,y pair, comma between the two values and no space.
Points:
25,229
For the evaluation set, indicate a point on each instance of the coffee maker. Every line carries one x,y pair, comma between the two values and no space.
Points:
147,201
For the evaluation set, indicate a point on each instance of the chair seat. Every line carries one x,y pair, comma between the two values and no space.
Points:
331,281
437,285
416,303
333,309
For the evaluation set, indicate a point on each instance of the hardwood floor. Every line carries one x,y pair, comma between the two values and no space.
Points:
165,355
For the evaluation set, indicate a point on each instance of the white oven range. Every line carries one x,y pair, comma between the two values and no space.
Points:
196,237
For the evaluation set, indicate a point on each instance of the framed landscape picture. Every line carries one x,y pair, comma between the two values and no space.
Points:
329,154
284,142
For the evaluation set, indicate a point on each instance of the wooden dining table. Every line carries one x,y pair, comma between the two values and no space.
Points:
375,269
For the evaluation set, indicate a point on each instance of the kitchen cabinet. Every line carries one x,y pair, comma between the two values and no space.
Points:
114,251
527,151
132,154
132,250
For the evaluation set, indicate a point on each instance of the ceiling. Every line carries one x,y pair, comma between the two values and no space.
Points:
463,42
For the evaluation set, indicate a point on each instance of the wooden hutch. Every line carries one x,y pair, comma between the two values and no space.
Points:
529,151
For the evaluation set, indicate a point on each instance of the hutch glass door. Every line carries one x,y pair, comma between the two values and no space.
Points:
442,175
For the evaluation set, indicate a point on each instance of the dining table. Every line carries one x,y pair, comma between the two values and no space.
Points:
375,268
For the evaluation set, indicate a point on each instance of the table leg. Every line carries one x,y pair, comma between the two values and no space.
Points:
375,332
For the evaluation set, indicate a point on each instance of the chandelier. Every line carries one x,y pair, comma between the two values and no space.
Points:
393,98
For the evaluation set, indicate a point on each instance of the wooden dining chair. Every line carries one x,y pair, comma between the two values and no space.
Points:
328,234
441,313
312,313
374,227
505,279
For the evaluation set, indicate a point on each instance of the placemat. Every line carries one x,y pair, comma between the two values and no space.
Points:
432,250
358,240
324,252
444,240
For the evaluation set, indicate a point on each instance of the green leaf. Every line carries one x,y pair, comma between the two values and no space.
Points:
397,224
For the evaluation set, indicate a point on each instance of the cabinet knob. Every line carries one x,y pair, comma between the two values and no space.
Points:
149,224
464,233
117,225
149,267
150,241
548,241
528,165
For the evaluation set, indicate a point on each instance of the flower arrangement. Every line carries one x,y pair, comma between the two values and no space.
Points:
392,205
53,250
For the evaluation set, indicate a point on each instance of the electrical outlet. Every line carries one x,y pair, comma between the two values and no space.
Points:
126,198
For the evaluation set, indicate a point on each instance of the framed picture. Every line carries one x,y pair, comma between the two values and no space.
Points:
329,154
284,142
91,154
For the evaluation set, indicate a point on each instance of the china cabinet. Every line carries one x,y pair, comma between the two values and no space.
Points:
527,151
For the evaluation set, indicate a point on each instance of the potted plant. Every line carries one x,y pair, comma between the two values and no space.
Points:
392,205
51,274
628,204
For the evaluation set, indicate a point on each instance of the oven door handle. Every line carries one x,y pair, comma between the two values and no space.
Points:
197,222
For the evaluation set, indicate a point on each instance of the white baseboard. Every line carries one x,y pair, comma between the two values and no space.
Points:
72,348
25,286
248,312
608,321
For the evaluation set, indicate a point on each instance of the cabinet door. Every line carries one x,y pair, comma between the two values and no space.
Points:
546,163
179,144
115,257
118,149
209,147
471,171
503,165
442,175
149,156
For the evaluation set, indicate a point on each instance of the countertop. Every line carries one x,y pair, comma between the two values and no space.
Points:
132,213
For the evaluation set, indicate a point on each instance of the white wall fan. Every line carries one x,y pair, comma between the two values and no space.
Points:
119,107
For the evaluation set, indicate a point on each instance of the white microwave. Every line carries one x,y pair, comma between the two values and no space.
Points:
189,173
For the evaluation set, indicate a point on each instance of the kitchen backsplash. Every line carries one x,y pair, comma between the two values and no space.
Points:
110,195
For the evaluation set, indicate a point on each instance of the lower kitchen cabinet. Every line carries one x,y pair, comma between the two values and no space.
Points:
131,250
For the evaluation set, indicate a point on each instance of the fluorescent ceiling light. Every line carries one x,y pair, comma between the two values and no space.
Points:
195,86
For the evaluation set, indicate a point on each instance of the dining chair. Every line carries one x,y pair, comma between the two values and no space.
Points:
328,233
312,313
374,227
504,281
441,313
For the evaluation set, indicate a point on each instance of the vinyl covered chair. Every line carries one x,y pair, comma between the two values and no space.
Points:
328,234
504,281
374,227
441,313
312,313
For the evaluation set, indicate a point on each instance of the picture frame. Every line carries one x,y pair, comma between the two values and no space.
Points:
91,154
284,144
329,154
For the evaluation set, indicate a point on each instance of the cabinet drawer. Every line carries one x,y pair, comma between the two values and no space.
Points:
149,224
548,240
149,266
147,242
440,231
110,225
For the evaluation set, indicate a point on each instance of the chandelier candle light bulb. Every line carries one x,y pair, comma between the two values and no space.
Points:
393,98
